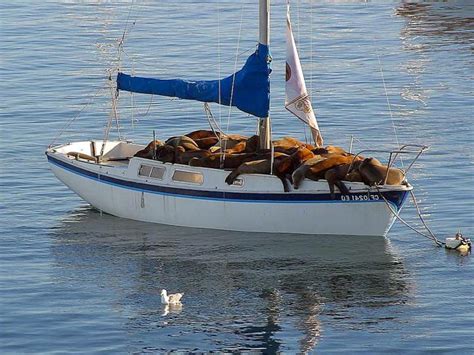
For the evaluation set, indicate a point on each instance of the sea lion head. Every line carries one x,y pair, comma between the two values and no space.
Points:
165,153
371,161
298,176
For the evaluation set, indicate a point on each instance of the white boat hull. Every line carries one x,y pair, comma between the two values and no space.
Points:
257,205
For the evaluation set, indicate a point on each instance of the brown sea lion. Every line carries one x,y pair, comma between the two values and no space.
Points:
285,166
204,138
219,160
336,175
315,168
251,145
309,146
184,157
320,151
287,143
373,173
261,166
206,143
147,152
183,141
202,133
166,154
228,143
317,171
332,149
237,148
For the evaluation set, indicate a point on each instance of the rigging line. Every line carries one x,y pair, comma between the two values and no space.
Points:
68,124
114,94
388,102
108,126
361,142
149,106
235,64
132,103
219,67
298,21
125,31
311,30
233,75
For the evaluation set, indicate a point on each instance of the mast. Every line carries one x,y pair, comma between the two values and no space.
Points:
264,124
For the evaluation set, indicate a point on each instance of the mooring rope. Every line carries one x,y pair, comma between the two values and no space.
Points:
397,216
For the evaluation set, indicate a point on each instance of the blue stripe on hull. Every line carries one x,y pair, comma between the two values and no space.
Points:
397,198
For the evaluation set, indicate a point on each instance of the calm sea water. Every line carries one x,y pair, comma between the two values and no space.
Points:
73,280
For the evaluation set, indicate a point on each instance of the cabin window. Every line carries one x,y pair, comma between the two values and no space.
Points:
188,176
144,170
157,172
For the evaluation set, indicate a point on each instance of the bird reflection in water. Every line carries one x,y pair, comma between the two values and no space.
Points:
243,291
173,308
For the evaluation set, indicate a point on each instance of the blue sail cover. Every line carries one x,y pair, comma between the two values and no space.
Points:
251,92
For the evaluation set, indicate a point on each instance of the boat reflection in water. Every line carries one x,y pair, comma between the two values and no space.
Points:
437,20
241,290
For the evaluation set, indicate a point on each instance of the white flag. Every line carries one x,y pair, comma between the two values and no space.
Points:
297,99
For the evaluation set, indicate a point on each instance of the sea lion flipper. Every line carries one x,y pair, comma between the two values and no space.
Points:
232,176
342,187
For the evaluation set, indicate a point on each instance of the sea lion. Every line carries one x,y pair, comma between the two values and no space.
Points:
261,166
167,153
373,173
184,157
251,144
287,143
183,141
332,149
164,153
317,171
224,161
201,134
204,138
237,148
285,166
207,142
336,175
315,168
229,142
147,152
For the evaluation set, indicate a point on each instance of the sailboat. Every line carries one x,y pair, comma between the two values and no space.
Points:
107,175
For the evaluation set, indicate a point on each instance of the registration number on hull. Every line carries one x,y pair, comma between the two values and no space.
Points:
362,197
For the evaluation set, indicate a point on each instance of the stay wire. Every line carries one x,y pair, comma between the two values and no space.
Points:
68,124
388,101
233,78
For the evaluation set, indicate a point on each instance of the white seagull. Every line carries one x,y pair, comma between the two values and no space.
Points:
174,298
